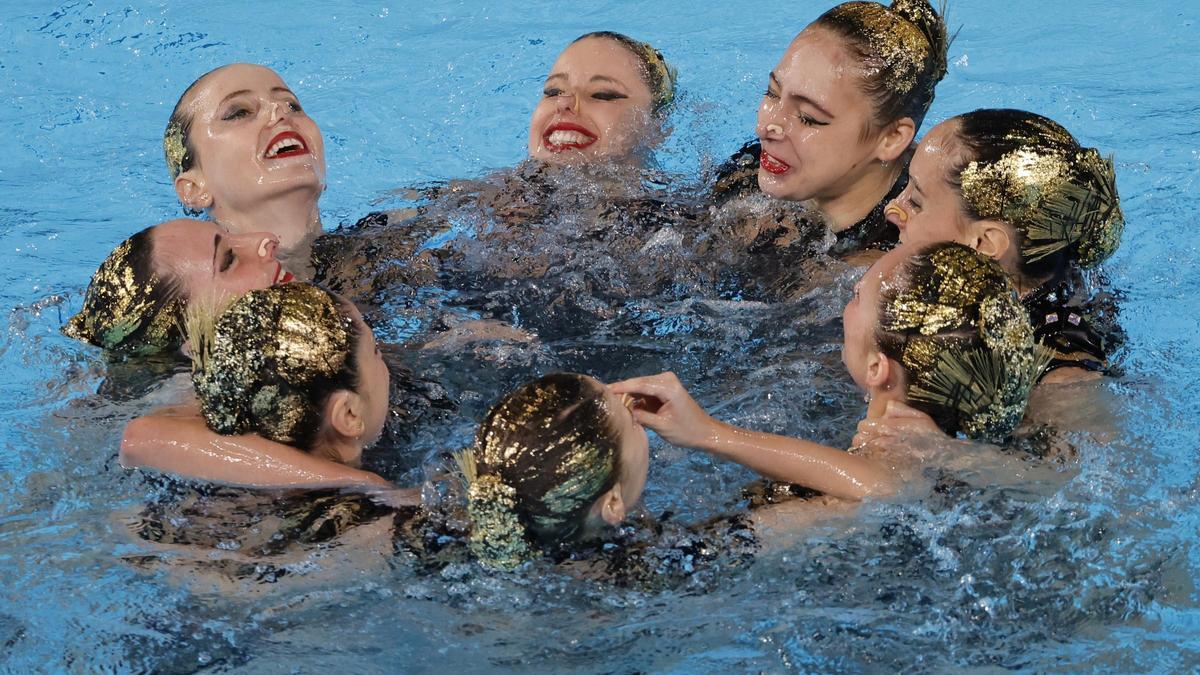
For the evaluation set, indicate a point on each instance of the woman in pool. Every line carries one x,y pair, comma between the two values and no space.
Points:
940,329
1019,188
240,147
135,301
554,460
291,364
839,115
602,109
605,97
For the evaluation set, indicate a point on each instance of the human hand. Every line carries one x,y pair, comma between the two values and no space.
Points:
666,407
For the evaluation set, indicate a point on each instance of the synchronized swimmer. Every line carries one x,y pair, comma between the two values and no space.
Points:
974,242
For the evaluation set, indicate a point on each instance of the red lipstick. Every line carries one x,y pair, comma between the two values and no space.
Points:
574,144
286,144
772,164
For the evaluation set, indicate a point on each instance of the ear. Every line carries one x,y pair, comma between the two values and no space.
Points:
879,369
190,187
343,413
991,238
612,507
895,139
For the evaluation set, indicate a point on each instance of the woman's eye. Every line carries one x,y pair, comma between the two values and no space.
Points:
770,94
810,121
551,92
235,113
608,95
227,261
295,106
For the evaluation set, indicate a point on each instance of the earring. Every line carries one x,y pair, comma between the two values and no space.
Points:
884,163
867,397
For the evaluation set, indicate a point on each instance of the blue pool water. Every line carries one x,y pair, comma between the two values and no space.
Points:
1091,564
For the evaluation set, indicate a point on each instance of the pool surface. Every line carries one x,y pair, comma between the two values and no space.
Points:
1006,563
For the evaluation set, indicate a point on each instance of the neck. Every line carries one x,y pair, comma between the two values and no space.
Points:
334,449
852,205
293,218
877,406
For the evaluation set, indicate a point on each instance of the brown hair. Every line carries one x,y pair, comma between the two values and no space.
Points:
903,50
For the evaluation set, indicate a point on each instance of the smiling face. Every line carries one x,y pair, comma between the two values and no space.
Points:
595,103
811,122
861,316
930,208
212,263
249,139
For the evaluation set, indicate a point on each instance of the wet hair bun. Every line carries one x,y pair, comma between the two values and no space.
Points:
1030,172
1101,222
932,24
268,362
951,317
498,539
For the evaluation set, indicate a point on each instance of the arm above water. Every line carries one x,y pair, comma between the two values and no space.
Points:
176,440
676,417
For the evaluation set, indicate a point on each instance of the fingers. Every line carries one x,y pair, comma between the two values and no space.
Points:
649,419
659,386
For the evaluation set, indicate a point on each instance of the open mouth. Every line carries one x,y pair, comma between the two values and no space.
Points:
772,164
566,136
282,276
286,144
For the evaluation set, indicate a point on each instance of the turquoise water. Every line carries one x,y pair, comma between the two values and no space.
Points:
1092,565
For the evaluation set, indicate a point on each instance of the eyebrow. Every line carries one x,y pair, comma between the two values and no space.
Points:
915,183
802,98
556,76
605,78
284,90
216,247
230,95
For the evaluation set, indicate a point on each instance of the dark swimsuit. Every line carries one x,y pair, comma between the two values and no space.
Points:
1081,330
738,177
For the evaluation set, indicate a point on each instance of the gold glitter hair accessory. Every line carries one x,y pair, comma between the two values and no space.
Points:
1056,199
967,293
900,46
497,538
175,149
128,307
662,75
258,367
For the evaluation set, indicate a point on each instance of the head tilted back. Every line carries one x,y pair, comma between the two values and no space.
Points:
130,306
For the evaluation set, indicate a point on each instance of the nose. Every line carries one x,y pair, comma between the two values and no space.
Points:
567,101
769,126
262,244
280,110
895,213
